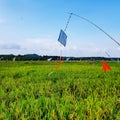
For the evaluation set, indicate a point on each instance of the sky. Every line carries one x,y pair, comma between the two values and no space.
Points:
33,26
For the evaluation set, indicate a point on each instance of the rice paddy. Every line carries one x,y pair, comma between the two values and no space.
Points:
76,91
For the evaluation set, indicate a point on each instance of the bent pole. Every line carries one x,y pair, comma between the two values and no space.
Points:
68,21
107,54
95,26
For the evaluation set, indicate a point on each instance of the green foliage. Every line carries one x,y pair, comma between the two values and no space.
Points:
77,91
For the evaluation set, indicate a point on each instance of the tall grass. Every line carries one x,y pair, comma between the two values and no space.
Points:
77,91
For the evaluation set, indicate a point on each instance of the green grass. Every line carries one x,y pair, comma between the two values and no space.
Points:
77,91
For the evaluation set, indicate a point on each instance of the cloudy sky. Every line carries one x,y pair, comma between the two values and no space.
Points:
33,26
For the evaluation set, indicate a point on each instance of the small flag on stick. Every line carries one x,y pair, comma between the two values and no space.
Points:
59,63
105,66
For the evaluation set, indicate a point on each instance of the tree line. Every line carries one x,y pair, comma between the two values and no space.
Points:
35,57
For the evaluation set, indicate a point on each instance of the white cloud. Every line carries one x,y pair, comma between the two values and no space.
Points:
10,46
35,45
84,50
41,46
118,48
51,46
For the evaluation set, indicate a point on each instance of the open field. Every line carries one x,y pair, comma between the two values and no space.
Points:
77,91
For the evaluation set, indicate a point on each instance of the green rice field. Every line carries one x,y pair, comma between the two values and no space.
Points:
76,91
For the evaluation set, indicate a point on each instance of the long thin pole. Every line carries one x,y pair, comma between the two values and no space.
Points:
107,54
68,22
97,27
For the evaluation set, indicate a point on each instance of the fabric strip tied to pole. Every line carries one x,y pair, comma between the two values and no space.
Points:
105,66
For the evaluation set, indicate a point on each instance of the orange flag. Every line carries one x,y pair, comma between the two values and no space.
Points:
105,66
59,63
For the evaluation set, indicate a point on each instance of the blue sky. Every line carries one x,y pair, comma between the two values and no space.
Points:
33,26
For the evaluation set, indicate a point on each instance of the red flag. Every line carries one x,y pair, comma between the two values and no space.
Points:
105,66
59,63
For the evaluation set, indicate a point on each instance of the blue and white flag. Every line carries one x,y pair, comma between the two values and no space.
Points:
62,38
